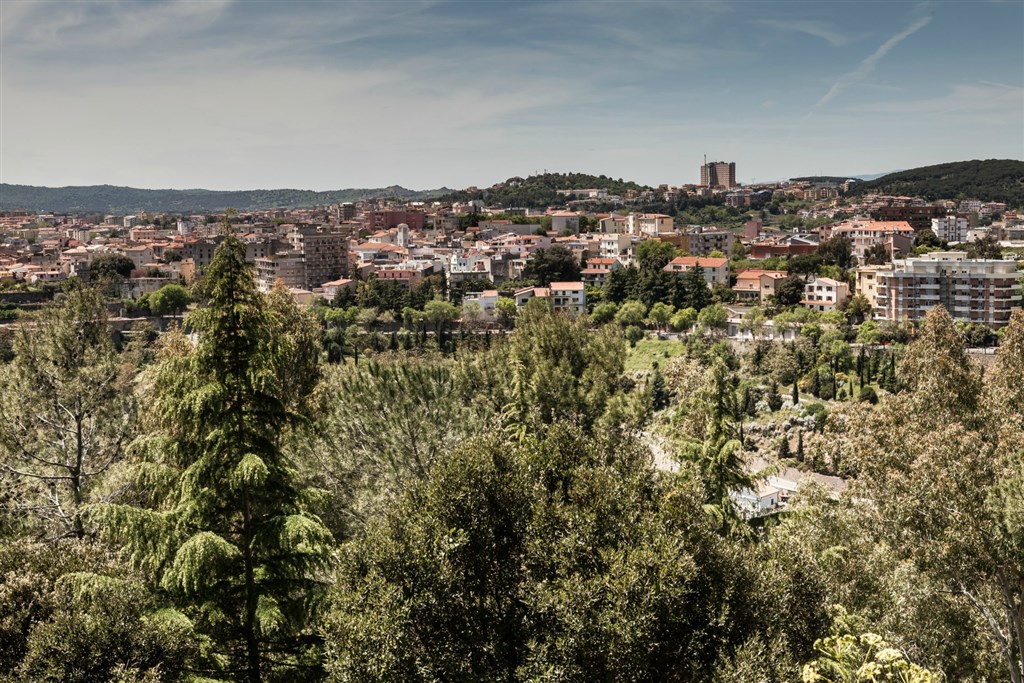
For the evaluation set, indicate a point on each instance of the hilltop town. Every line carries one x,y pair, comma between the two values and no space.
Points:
761,250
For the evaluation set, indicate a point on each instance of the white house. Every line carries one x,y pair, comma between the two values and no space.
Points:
487,300
825,294
570,297
567,297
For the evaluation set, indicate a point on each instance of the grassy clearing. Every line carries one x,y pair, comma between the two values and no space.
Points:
648,351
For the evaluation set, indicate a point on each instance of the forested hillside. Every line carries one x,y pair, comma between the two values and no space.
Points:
113,199
995,180
539,191
288,494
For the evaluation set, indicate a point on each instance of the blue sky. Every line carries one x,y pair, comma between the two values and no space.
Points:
240,94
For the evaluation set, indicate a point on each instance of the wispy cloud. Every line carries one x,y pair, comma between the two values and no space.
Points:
812,28
867,66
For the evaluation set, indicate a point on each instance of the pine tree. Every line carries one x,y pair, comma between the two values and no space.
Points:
230,532
66,410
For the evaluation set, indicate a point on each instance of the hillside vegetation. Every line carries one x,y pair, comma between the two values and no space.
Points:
539,191
993,180
271,493
114,199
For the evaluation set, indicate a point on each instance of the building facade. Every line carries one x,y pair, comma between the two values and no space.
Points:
825,294
718,174
324,253
951,228
286,267
972,290
704,241
568,297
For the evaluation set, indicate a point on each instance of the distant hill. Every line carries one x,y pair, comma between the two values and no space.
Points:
993,180
875,176
541,190
836,179
119,200
833,179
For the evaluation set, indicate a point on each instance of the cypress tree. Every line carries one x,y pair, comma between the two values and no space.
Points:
784,452
774,399
796,394
659,392
230,534
800,445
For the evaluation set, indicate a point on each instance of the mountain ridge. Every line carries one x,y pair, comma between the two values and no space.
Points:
987,180
123,199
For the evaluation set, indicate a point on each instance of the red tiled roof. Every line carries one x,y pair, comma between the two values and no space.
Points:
702,261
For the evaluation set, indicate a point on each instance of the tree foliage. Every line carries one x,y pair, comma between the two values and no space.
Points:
230,529
487,547
66,412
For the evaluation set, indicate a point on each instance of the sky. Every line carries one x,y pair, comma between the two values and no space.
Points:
243,94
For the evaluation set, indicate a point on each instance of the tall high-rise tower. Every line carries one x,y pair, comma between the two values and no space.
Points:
718,174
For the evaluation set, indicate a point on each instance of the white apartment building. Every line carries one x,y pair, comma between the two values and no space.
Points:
825,294
950,228
566,297
979,290
648,223
569,297
617,247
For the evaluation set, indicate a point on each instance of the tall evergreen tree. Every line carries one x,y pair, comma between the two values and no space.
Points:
697,292
230,532
66,411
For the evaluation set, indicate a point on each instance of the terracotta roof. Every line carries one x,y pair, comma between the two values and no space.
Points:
703,262
757,273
